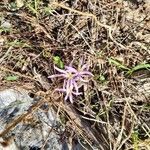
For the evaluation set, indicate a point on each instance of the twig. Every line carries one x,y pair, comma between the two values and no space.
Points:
122,128
91,49
16,73
95,120
7,52
42,148
127,138
92,16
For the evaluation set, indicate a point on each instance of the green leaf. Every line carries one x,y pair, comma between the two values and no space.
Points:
47,10
57,60
13,6
135,140
102,78
117,64
11,78
32,9
138,67
61,64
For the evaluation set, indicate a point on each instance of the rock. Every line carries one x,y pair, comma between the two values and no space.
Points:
35,131
6,24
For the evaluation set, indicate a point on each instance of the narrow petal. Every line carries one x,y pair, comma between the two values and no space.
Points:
81,62
60,70
71,85
75,93
60,90
77,77
67,89
56,75
80,85
86,73
71,98
75,86
64,85
70,69
68,85
85,66
81,79
66,97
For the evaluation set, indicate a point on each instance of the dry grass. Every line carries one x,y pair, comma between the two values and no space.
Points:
116,104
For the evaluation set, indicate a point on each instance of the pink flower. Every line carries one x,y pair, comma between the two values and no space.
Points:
73,80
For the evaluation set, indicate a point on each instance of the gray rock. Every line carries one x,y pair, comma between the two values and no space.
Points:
6,24
32,134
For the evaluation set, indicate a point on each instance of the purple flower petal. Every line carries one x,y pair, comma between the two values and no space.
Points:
68,85
56,75
85,66
81,62
71,84
60,90
70,98
75,93
81,79
75,86
86,73
64,85
68,88
60,70
66,97
70,69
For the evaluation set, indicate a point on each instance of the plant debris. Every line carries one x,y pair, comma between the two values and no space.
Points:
112,37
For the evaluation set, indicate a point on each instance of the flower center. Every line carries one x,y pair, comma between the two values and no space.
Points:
69,75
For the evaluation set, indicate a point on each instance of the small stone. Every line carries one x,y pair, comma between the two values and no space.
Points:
6,24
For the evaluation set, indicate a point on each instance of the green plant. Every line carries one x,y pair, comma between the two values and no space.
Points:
135,140
128,71
138,67
57,61
117,64
11,78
